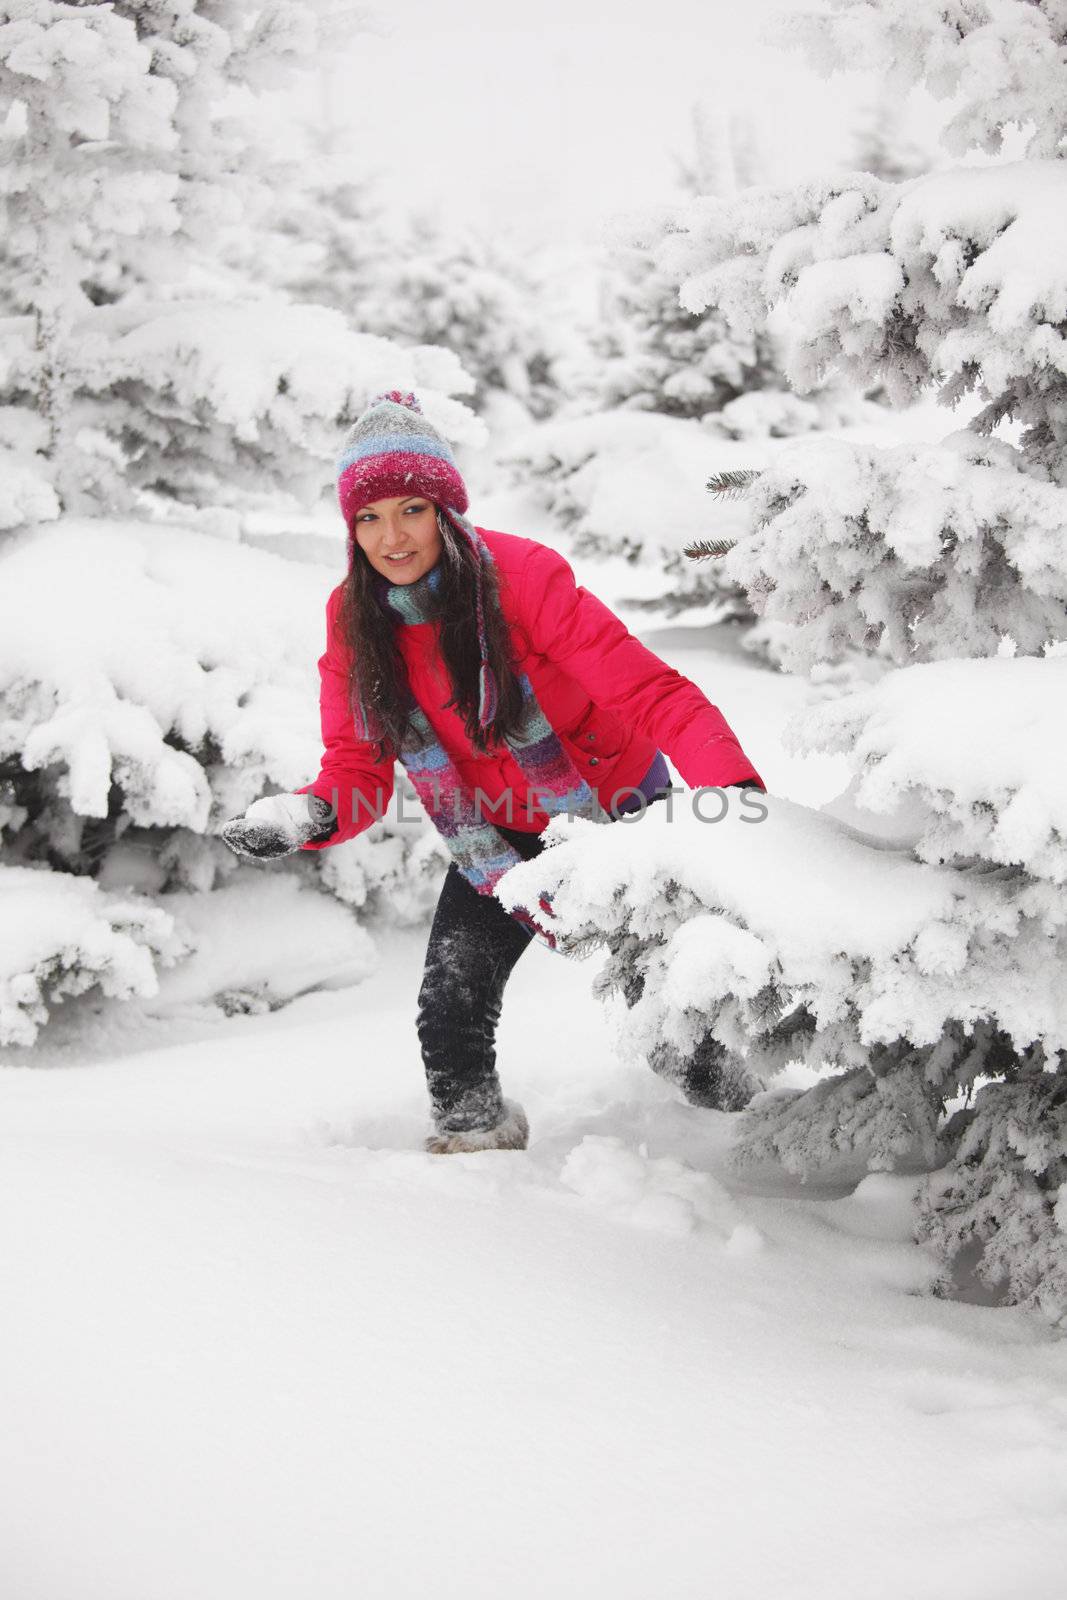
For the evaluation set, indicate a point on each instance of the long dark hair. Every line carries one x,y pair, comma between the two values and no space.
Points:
377,676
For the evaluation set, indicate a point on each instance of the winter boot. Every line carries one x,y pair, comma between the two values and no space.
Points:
512,1132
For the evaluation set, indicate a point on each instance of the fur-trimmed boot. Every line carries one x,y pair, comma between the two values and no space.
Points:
512,1132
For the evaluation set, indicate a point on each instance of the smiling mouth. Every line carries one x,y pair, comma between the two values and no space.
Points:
406,556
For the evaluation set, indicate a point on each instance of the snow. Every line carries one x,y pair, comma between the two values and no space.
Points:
62,935
869,946
275,373
989,769
859,290
271,377
261,939
916,550
636,478
260,1344
737,860
952,280
999,64
27,495
252,944
629,488
115,635
653,1192
257,1344
1015,216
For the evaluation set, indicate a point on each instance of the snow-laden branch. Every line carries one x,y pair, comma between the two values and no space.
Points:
1002,63
795,939
61,935
955,278
127,651
204,399
913,552
978,743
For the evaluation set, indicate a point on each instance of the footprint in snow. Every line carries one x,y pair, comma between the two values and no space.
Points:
658,1193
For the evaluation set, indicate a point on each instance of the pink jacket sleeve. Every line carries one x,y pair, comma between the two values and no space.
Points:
573,628
351,778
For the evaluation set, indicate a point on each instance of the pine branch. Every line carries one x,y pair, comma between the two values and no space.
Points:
703,549
731,485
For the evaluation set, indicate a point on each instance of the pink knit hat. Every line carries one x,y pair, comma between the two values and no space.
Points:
392,450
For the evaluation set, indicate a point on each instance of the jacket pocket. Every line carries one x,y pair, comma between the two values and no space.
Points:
598,735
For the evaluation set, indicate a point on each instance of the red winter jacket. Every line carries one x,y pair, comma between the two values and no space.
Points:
612,702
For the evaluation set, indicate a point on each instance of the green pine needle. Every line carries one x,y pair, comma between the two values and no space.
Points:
704,549
731,485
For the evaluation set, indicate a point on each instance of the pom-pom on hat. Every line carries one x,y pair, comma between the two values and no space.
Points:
392,450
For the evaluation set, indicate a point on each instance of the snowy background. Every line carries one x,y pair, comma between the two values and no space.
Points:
255,1342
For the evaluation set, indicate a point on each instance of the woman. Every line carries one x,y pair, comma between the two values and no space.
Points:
510,695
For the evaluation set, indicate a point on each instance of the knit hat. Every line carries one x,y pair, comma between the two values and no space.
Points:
392,450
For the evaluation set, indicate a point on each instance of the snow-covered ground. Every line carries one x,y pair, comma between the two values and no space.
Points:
256,1344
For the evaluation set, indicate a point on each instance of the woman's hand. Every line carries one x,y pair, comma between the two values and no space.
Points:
279,824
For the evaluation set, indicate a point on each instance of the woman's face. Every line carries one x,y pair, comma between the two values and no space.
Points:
399,537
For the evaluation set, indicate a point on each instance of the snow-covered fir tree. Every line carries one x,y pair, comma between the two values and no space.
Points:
333,239
432,283
681,373
910,946
882,143
157,674
653,354
322,236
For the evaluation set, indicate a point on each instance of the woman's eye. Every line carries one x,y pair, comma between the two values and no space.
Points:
416,509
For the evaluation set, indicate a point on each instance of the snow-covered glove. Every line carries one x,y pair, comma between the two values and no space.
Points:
279,824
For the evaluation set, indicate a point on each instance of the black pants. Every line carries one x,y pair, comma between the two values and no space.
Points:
474,945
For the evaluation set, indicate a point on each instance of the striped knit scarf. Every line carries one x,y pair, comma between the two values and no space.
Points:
480,850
